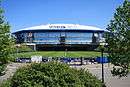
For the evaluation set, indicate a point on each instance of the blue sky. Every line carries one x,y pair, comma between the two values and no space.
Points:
26,13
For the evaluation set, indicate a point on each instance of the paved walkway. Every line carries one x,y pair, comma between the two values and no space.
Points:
10,70
110,81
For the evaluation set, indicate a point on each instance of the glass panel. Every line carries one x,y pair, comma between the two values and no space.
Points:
70,37
40,35
53,34
78,34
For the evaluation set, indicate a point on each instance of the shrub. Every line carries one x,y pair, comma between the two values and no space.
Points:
53,74
6,83
2,68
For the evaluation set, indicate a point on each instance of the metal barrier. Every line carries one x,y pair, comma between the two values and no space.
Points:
68,60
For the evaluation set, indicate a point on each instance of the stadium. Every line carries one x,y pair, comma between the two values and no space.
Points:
61,37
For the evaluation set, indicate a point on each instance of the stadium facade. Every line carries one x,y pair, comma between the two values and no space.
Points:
61,37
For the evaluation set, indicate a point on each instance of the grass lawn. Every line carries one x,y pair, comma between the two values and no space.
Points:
60,54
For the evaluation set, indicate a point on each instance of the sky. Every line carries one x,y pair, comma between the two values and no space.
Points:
27,13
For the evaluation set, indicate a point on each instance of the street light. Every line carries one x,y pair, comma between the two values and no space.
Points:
102,47
102,50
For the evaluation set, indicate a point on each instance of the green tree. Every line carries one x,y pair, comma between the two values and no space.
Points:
118,40
6,40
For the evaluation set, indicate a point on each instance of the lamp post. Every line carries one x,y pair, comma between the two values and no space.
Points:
102,50
102,65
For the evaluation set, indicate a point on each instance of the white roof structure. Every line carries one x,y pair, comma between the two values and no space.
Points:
63,27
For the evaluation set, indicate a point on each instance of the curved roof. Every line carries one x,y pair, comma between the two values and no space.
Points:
63,27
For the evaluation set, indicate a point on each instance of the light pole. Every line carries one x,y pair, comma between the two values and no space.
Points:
102,49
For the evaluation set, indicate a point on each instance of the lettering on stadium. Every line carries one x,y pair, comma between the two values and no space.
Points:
57,27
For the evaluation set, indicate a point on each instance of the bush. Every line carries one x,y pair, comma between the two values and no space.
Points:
6,83
2,68
53,74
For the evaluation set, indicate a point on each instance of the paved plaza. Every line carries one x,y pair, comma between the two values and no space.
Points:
110,81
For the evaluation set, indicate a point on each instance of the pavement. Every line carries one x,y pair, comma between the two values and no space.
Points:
110,81
10,70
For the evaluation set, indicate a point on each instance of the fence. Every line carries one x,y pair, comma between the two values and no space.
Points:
72,61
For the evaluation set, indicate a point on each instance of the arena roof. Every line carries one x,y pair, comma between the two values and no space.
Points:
62,27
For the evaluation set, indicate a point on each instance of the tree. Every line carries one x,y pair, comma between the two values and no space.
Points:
118,39
5,39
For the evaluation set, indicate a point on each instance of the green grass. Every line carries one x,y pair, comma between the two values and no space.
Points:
60,54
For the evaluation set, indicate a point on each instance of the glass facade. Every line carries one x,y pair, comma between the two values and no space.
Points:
62,37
